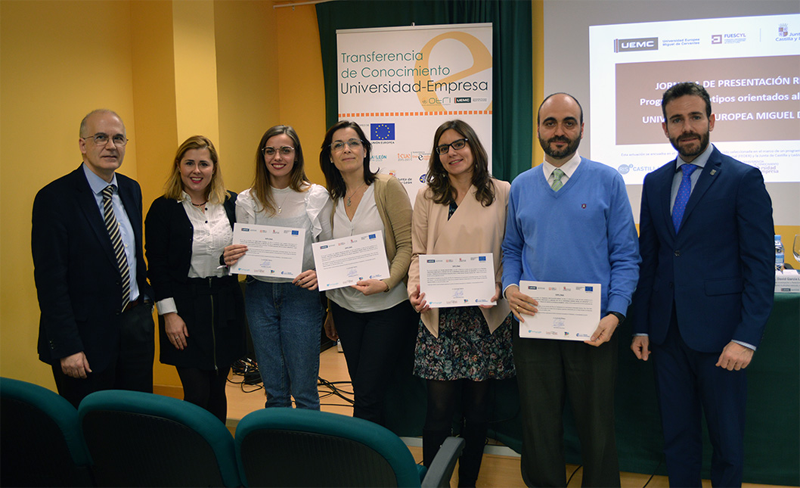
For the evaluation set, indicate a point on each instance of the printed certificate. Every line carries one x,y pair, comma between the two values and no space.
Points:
271,251
346,261
567,311
457,280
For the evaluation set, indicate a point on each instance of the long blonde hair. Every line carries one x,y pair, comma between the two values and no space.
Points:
215,191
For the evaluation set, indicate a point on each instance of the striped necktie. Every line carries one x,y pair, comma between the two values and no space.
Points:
116,240
684,190
557,174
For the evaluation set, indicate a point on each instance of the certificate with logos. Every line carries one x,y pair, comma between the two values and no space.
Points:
346,261
457,280
271,251
567,311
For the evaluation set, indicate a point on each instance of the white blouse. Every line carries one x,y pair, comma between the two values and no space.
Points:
212,232
366,219
310,210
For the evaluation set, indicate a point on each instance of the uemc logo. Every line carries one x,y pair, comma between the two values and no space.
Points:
641,44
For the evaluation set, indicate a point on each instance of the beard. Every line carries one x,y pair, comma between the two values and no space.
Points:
572,146
692,150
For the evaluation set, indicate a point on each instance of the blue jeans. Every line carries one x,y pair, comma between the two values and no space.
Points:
286,325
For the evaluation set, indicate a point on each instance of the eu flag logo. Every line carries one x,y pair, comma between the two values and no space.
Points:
382,132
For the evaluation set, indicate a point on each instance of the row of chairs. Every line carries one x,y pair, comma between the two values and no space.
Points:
125,438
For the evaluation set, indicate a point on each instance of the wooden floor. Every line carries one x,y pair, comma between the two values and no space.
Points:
496,470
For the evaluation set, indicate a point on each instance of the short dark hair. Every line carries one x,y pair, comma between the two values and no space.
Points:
333,178
552,95
686,88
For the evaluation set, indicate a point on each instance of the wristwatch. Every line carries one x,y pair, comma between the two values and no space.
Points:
619,317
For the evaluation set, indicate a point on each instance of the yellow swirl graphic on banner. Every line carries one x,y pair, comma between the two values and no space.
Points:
481,60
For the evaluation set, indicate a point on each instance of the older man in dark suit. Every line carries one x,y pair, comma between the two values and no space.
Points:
705,289
96,328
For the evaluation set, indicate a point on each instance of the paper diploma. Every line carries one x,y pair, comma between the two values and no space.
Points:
346,261
457,280
567,311
271,251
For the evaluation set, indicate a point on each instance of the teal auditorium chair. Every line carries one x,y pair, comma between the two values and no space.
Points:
142,439
292,447
40,442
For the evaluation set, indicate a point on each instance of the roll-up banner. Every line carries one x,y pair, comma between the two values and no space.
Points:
401,83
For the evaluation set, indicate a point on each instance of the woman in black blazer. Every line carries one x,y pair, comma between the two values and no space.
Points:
200,307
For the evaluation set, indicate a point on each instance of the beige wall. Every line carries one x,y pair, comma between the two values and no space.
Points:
171,69
59,61
302,92
248,86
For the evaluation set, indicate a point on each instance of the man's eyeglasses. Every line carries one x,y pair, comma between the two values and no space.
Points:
457,144
284,150
352,143
101,139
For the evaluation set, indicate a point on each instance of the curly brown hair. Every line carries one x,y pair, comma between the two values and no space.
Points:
437,177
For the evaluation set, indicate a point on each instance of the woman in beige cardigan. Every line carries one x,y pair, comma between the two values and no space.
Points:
462,210
373,318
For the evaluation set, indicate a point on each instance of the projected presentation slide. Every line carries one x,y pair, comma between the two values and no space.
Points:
749,65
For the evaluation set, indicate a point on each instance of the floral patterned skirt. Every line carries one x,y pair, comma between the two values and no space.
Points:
464,349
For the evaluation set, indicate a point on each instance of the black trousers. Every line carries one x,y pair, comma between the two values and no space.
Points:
372,343
133,368
548,370
206,389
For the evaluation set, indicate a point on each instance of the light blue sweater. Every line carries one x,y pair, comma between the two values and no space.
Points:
583,233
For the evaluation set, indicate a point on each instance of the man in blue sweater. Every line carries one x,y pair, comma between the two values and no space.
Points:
569,220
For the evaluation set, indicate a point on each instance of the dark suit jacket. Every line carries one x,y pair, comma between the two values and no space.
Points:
719,270
215,341
169,243
77,278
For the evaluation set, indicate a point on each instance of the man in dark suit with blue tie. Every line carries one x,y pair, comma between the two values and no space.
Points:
96,328
705,290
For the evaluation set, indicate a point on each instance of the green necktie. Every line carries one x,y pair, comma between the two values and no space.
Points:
557,174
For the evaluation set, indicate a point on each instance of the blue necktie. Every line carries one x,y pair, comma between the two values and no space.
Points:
683,195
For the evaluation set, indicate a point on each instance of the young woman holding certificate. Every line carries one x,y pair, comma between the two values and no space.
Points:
372,318
459,349
200,307
285,314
